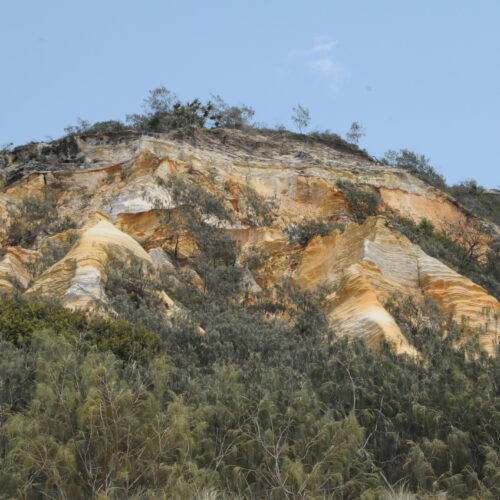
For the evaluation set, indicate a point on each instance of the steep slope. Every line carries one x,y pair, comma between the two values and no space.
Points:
115,188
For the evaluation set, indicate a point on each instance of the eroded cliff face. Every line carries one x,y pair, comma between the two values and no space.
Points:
113,186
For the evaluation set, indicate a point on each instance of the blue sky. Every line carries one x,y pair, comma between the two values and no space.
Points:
423,75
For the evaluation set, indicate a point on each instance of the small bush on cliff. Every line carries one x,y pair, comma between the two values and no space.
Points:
34,217
363,201
302,232
259,209
195,197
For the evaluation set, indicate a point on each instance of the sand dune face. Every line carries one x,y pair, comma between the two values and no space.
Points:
112,185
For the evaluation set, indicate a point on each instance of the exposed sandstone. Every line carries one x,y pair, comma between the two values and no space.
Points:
78,278
110,185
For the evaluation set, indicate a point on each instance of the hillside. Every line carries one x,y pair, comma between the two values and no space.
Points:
227,251
114,190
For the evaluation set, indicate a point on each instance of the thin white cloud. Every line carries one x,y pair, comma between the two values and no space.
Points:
325,65
319,61
321,44
329,68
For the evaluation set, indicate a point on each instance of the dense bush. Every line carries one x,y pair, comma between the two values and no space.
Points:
228,116
302,232
363,201
477,199
34,217
163,111
20,318
51,251
199,200
256,406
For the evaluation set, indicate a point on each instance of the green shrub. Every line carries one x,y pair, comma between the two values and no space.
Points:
227,116
302,232
336,142
20,318
477,199
363,200
190,194
35,217
163,112
416,164
259,210
84,127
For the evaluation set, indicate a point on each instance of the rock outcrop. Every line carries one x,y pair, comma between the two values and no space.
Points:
78,279
112,185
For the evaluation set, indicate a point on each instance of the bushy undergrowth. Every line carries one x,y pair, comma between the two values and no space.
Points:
20,318
51,251
254,406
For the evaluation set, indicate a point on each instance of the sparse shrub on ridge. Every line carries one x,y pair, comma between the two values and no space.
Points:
227,116
477,199
84,127
417,164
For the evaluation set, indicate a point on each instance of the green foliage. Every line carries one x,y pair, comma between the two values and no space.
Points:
84,127
217,254
266,403
228,116
163,111
301,117
477,199
302,232
417,164
194,196
355,132
19,318
34,217
336,142
259,210
363,201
